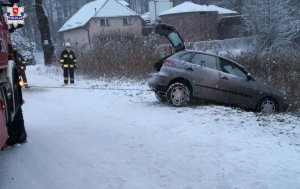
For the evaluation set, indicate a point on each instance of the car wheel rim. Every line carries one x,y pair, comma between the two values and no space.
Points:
179,96
268,107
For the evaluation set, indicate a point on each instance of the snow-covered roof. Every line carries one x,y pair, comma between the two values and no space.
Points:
123,2
98,8
188,6
222,10
146,16
113,8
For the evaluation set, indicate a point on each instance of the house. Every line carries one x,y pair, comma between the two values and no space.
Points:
231,26
152,17
146,17
156,7
200,22
101,17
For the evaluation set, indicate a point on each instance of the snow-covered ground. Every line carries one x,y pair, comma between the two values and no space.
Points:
85,137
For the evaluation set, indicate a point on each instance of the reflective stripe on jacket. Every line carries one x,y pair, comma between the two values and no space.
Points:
68,59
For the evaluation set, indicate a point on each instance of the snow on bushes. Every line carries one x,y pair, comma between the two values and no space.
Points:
25,46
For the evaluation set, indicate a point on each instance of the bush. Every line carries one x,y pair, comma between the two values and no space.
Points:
118,56
282,73
25,46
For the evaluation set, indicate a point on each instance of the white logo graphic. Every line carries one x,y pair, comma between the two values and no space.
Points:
15,15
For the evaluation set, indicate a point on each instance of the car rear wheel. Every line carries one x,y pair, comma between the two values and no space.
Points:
160,97
178,94
267,106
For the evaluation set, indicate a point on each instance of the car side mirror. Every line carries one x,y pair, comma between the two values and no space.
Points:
249,77
14,1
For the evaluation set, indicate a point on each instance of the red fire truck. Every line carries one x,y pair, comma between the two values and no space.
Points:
12,128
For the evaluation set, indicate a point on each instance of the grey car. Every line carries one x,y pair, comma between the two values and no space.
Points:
192,74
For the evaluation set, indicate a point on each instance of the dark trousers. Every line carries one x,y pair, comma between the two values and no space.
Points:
68,73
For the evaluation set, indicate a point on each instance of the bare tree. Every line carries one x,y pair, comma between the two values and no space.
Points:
272,20
295,4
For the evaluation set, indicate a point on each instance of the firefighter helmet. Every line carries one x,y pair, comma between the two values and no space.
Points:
68,44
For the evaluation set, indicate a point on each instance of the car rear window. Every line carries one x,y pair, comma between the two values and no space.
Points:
186,57
174,37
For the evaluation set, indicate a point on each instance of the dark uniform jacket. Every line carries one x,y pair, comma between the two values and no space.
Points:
19,60
68,59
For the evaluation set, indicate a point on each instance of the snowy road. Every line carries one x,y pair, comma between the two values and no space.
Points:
102,139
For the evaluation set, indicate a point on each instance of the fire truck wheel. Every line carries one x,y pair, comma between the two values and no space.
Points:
16,130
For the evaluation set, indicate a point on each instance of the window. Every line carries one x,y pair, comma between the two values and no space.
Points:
104,22
1,13
127,21
186,57
174,37
231,68
205,60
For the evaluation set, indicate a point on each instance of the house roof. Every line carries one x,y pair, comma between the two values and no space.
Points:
123,2
188,6
98,8
146,16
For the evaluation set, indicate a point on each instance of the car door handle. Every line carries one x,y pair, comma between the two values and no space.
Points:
189,68
224,77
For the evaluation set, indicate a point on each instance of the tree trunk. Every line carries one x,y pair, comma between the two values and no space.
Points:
58,14
52,19
43,25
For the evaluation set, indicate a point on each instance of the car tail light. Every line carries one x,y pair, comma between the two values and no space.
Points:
168,63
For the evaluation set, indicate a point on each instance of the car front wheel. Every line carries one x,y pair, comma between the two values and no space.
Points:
267,106
178,94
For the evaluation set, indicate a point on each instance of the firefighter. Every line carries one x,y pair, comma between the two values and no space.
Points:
68,63
21,67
